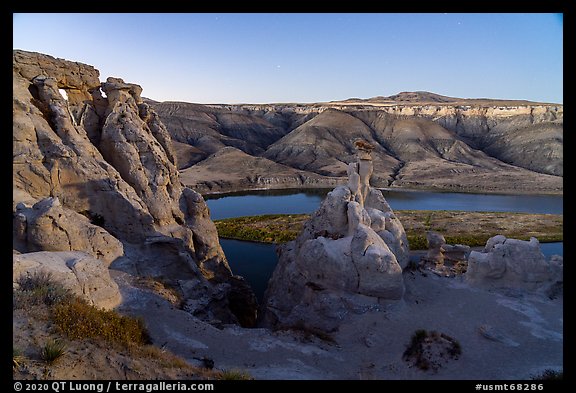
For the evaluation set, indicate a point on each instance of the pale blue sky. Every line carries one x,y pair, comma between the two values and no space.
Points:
260,58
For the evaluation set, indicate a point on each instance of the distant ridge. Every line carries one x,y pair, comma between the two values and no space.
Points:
416,96
425,97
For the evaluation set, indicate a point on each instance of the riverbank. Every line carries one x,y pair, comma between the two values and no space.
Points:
228,191
458,227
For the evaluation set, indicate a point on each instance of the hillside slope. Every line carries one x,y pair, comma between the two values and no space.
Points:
230,168
422,139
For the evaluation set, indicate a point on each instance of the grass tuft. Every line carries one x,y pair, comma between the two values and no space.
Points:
165,358
52,351
39,287
235,374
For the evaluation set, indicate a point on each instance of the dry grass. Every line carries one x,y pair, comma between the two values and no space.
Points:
39,288
549,375
235,375
99,344
18,359
167,289
79,320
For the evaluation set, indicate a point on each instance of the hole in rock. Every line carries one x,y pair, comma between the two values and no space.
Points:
63,94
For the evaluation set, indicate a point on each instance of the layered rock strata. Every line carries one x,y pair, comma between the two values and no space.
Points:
478,145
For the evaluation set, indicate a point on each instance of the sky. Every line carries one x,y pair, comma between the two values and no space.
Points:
318,57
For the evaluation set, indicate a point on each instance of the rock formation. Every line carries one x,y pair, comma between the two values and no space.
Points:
513,263
77,271
108,166
47,226
444,259
348,258
436,244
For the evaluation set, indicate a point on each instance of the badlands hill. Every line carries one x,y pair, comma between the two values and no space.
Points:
422,140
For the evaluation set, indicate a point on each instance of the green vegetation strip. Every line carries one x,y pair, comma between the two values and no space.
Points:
458,227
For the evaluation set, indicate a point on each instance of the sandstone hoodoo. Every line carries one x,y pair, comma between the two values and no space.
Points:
347,259
98,174
444,259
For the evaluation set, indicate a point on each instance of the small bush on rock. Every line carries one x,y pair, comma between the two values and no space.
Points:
78,320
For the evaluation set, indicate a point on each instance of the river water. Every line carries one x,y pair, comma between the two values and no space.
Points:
306,201
256,261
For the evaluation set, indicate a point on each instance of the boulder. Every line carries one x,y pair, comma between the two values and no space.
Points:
513,263
443,259
395,238
48,226
456,252
328,264
80,272
331,218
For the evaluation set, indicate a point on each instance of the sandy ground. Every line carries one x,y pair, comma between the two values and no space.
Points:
526,333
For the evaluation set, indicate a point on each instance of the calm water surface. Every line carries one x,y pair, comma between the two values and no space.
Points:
253,261
298,201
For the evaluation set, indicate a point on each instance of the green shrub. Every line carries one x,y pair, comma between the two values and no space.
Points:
470,240
415,351
271,228
52,351
79,320
417,242
428,221
37,288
